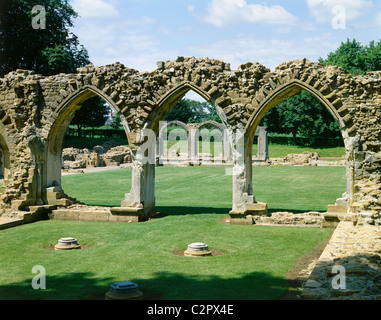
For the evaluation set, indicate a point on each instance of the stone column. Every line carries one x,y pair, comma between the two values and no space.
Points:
141,199
37,148
193,144
160,142
244,204
263,144
227,149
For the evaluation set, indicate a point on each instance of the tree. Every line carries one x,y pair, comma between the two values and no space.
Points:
301,115
191,111
116,122
46,51
356,58
182,111
93,113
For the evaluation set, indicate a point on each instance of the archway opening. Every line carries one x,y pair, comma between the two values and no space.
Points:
87,143
306,166
194,184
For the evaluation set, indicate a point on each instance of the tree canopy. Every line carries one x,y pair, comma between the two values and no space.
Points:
301,115
191,111
46,51
93,113
356,58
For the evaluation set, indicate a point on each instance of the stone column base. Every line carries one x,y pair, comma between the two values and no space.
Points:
240,218
245,216
201,253
133,214
131,296
257,209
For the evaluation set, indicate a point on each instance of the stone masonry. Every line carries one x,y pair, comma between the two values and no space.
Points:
35,112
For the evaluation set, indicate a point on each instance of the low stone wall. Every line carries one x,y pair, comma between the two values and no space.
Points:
355,249
78,212
308,219
108,154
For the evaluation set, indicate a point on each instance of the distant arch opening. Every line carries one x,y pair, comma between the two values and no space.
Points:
295,121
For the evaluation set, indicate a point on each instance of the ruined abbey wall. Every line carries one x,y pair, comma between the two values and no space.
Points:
35,112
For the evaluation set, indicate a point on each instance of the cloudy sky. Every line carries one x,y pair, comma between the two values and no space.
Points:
137,33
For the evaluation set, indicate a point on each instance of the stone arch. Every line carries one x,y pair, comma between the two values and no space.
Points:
290,89
62,116
168,100
226,147
162,137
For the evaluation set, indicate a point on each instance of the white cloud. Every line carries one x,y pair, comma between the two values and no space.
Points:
321,10
133,47
379,19
269,53
94,9
227,12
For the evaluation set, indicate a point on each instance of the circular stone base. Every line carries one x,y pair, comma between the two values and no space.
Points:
65,247
201,253
138,295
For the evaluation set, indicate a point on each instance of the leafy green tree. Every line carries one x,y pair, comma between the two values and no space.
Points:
93,113
182,111
373,56
191,111
116,122
301,115
356,58
47,51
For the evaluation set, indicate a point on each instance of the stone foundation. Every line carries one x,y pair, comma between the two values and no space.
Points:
358,250
88,213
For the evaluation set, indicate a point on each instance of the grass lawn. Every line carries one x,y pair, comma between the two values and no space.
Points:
254,259
215,148
275,150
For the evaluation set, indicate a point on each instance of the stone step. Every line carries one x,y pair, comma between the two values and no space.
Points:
257,209
331,220
6,223
54,195
337,209
60,202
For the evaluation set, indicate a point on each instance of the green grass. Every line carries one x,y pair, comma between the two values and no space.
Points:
253,265
279,151
194,188
215,148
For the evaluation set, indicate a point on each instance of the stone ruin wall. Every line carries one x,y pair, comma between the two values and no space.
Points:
34,111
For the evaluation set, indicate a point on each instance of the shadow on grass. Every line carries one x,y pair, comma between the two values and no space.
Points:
162,286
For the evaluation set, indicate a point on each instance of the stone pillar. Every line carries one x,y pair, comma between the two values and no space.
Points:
141,199
227,148
193,137
244,204
263,144
37,148
160,142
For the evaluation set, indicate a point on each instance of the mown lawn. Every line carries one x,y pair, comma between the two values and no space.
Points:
254,259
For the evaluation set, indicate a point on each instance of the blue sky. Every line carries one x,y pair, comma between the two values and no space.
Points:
137,33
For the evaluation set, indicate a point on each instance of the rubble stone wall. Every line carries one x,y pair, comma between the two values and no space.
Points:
35,112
